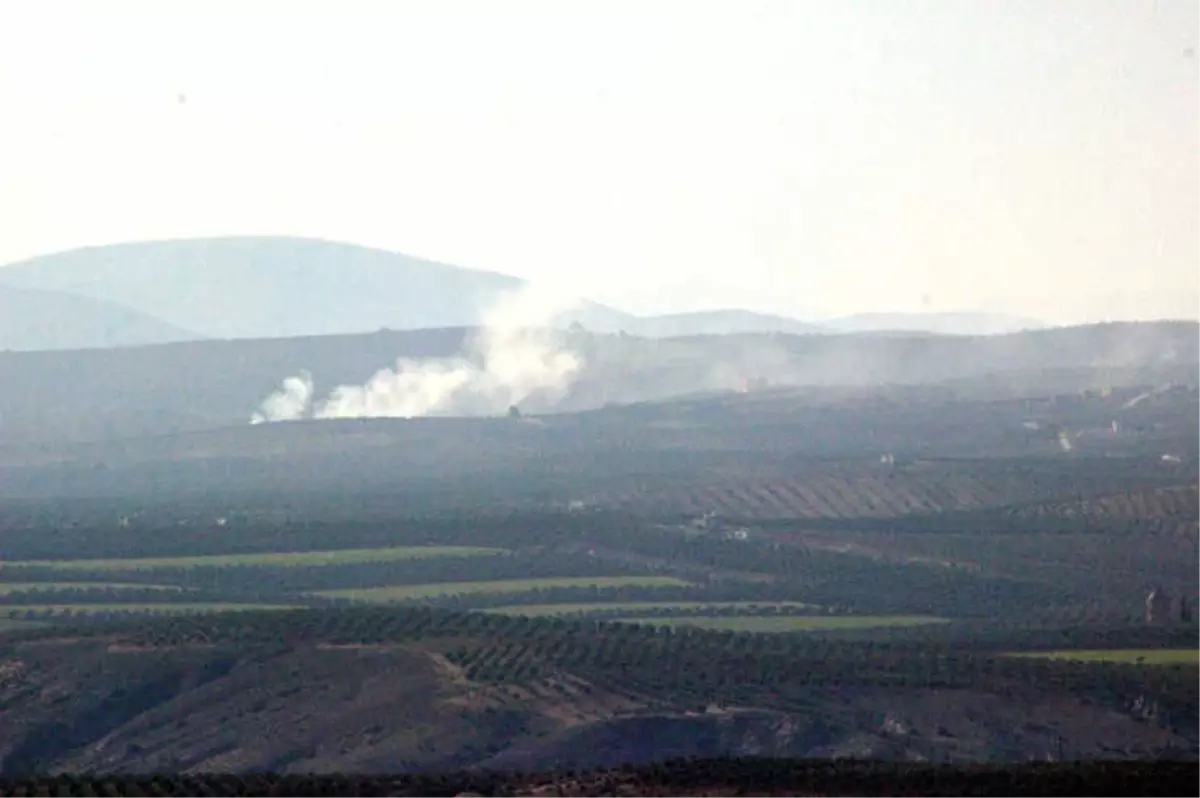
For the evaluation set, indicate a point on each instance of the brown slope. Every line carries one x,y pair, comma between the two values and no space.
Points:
90,706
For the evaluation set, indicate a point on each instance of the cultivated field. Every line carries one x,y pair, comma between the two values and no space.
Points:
281,558
877,493
790,623
8,588
410,592
1178,656
13,624
541,610
142,609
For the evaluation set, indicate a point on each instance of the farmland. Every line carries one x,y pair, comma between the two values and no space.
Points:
1182,656
554,674
861,493
13,624
1178,501
412,592
797,623
296,559
53,610
446,593
684,777
539,610
7,588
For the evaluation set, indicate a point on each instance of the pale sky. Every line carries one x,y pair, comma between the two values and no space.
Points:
802,157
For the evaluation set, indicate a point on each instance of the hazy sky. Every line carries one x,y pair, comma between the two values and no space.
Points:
801,157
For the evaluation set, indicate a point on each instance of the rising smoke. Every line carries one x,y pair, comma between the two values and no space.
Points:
514,356
290,401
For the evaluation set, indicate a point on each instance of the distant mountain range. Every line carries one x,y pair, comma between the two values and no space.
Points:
704,322
273,287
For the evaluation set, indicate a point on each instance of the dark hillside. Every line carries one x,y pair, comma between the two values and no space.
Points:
57,397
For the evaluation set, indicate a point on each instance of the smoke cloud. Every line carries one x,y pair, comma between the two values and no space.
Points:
514,357
289,402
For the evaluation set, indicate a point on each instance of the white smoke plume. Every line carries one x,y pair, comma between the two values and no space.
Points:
513,357
289,402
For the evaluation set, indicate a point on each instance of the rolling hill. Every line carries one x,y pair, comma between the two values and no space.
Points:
278,287
268,287
53,320
274,287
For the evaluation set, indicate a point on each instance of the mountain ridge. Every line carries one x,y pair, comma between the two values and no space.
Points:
267,286
247,287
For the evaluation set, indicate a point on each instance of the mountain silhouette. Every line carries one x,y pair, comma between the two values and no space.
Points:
34,319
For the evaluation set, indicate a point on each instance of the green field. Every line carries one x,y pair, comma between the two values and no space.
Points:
1147,656
149,609
541,610
277,558
790,623
7,588
12,624
407,592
